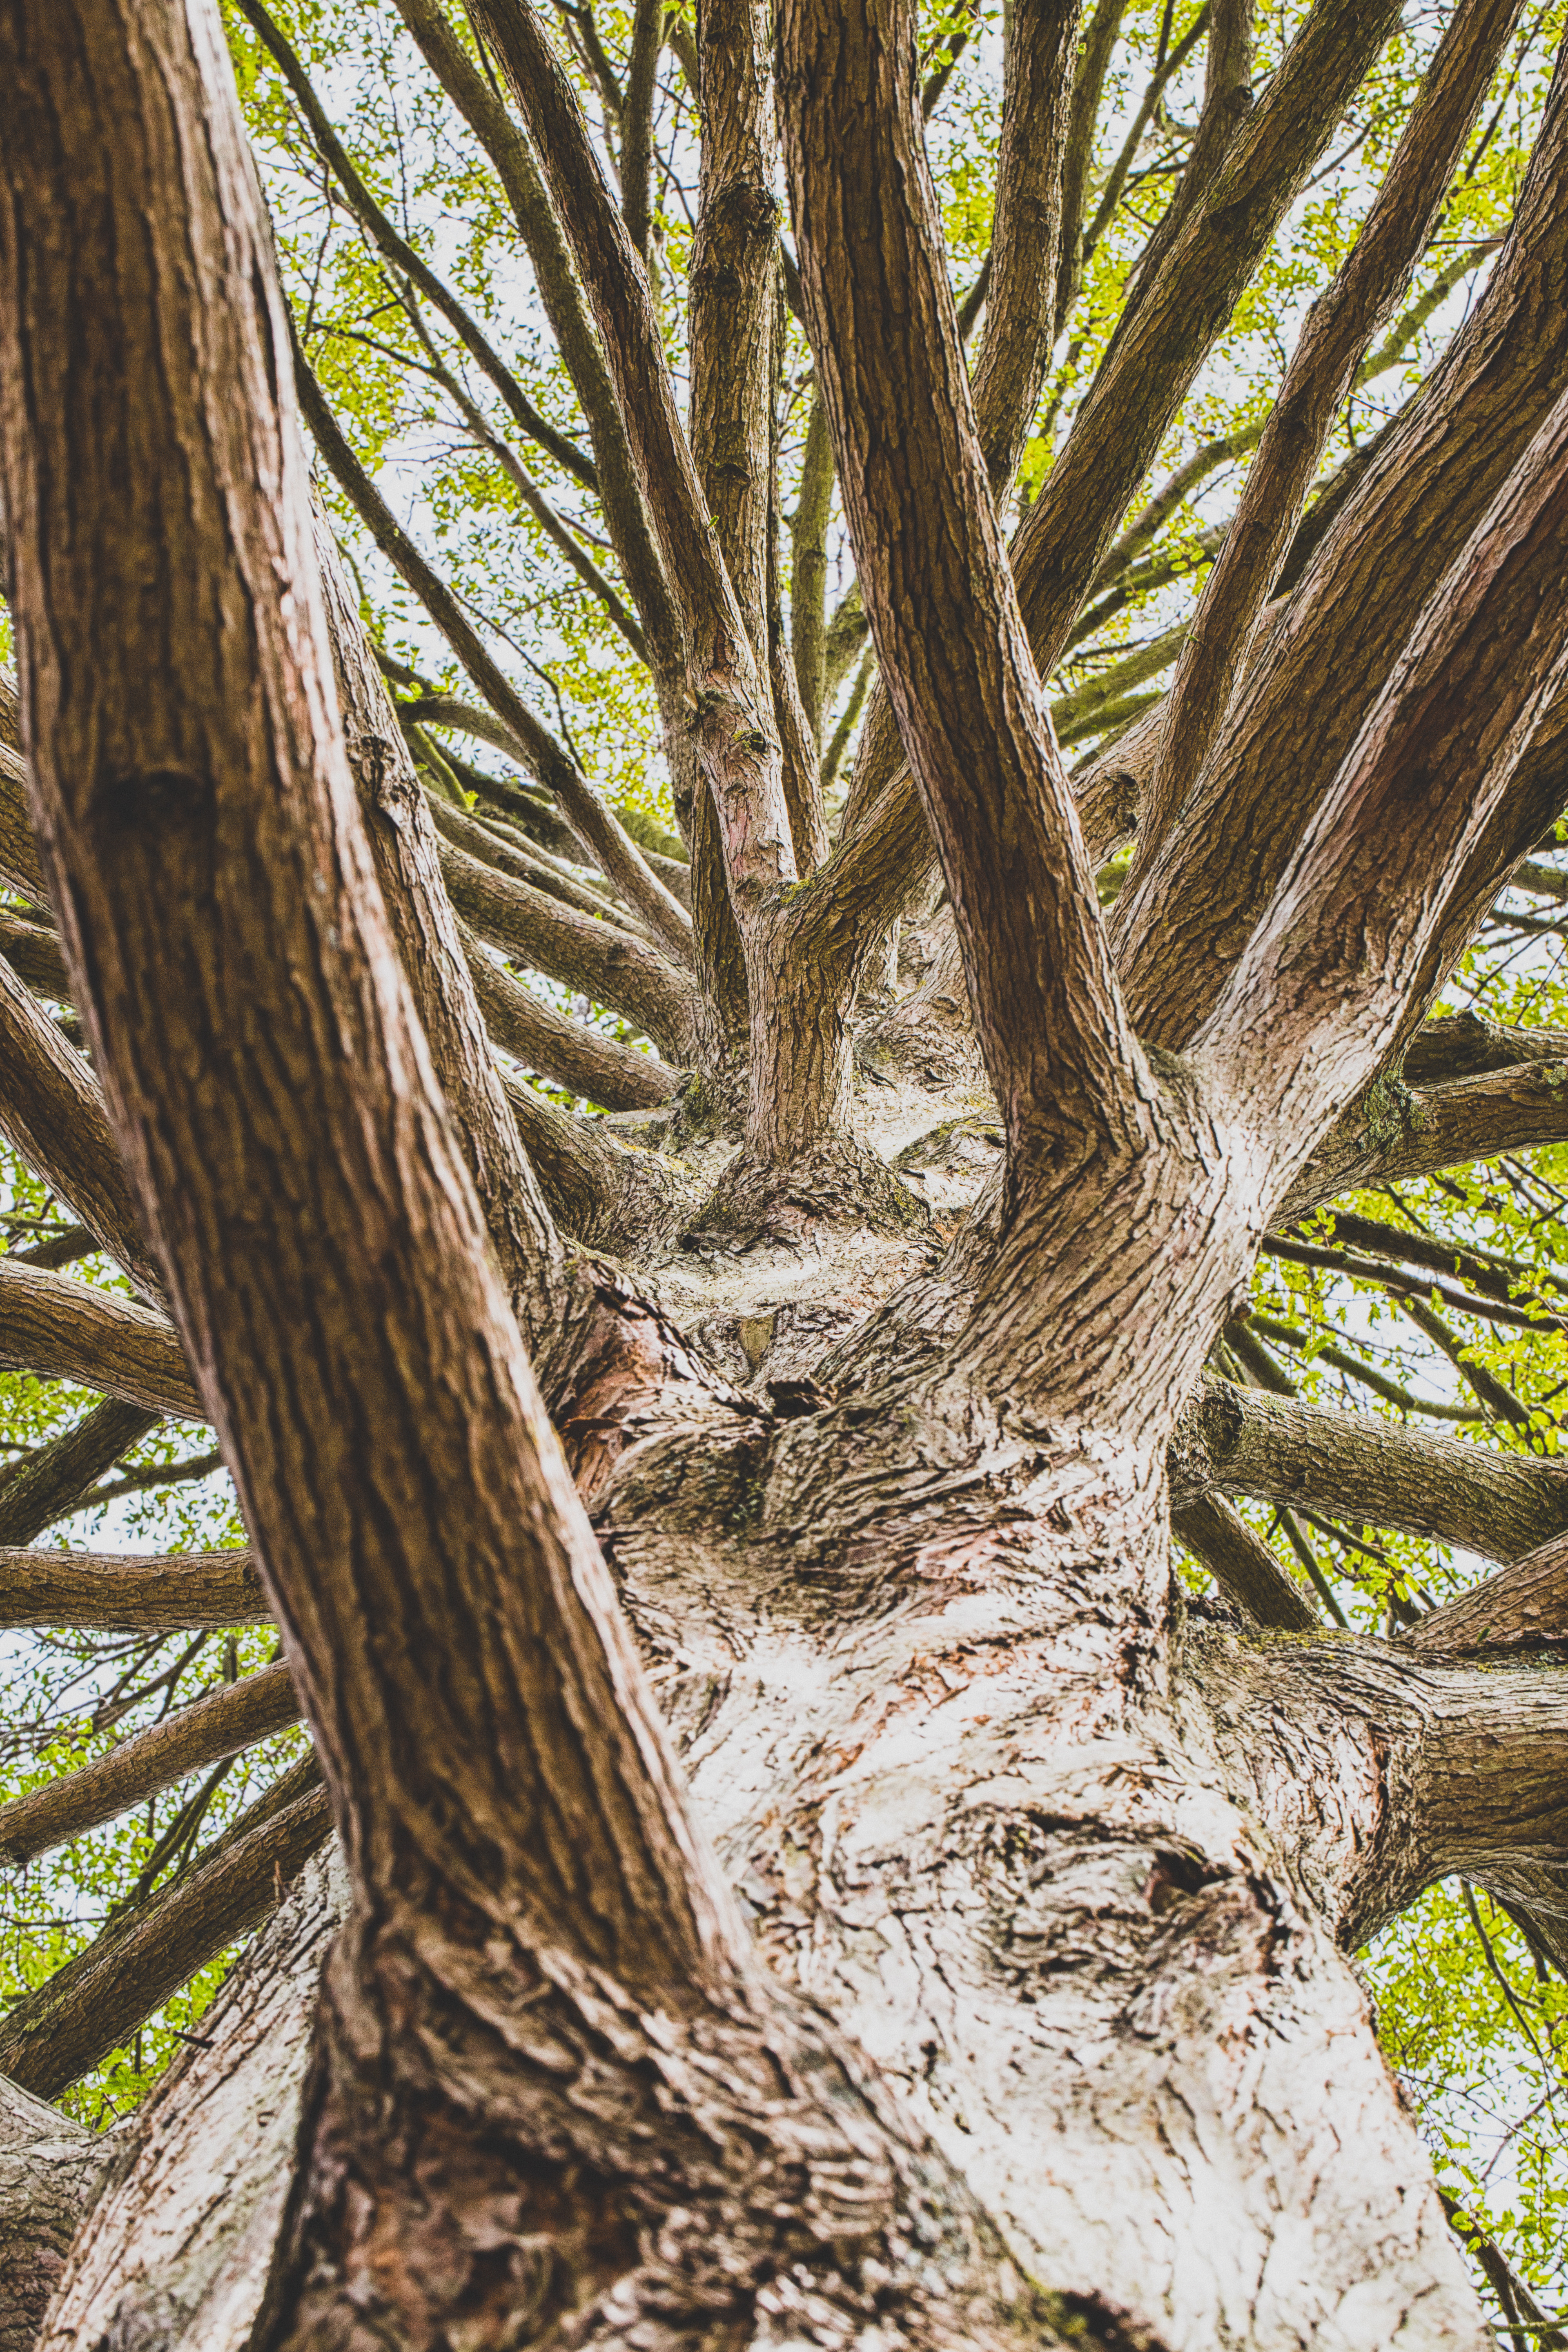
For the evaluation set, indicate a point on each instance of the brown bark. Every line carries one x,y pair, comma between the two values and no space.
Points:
1242,1565
34,953
50,2168
1435,474
52,1112
430,948
508,1870
63,1330
936,585
55,1482
1282,1450
732,285
1337,331
1055,1871
401,254
598,826
1524,1607
608,965
135,1591
88,2008
572,1054
1328,972
1071,524
475,94
1027,231
210,1729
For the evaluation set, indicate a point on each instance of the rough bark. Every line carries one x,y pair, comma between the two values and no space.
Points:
136,1591
66,1469
96,2001
1012,2005
1328,351
50,2168
1352,610
65,1330
1280,1450
178,2250
210,1729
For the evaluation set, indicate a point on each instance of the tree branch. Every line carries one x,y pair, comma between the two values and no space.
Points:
226,1721
1325,977
1437,468
1243,1441
731,721
1416,1132
334,1281
52,1112
636,123
606,964
731,282
61,1330
1026,237
1089,83
936,585
598,826
406,856
569,1054
96,2001
63,1472
625,515
1339,326
1065,535
403,258
1242,1565
130,1592
808,567
1523,1607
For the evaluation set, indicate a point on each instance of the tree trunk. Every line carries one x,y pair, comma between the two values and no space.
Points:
804,1879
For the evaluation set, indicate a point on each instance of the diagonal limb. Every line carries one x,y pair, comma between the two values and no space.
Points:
1339,328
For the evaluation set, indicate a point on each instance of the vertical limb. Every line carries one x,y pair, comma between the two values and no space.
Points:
1025,238
936,580
1088,84
636,123
808,566
430,948
1227,95
1059,547
734,273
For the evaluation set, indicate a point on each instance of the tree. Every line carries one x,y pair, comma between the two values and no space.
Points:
804,1876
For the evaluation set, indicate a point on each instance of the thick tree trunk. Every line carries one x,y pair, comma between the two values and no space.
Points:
833,1901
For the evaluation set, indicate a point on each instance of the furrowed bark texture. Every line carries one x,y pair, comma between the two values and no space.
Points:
531,1906
50,2167
1352,612
203,1733
1010,2004
129,1591
179,2249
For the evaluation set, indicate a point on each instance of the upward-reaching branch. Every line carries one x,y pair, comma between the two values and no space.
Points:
599,827
1322,987
1067,532
1025,238
1337,331
732,713
935,580
733,275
